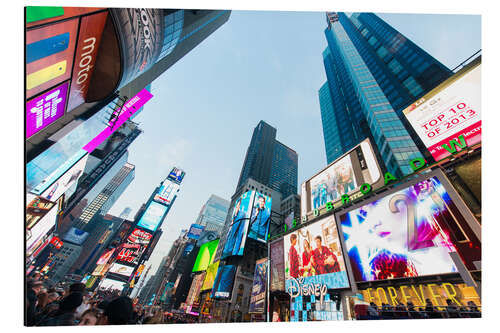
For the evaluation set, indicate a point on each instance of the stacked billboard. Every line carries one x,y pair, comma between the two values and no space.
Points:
206,256
41,215
258,296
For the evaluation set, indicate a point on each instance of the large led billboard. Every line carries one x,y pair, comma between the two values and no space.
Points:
41,217
260,217
195,231
167,192
237,232
206,256
313,256
223,283
75,236
176,175
258,296
112,285
343,176
104,258
449,112
139,236
410,231
277,266
120,269
210,276
152,217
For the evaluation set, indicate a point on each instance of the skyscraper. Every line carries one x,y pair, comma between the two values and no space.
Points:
270,162
213,214
373,72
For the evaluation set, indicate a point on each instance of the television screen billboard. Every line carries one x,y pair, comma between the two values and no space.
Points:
206,256
36,209
139,236
237,232
75,236
258,297
176,175
112,285
210,276
260,217
409,232
313,255
223,283
105,257
152,217
121,269
450,110
343,176
195,231
194,291
277,266
167,192
207,236
41,216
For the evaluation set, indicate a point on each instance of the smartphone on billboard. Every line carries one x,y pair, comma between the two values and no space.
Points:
46,74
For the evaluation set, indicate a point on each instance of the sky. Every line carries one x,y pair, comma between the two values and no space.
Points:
257,66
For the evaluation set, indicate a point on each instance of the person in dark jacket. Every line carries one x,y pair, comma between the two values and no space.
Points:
119,311
65,315
34,288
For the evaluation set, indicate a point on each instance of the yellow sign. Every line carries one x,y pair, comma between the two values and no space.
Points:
46,74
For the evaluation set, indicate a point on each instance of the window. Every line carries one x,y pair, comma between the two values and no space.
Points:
395,66
382,52
412,85
372,40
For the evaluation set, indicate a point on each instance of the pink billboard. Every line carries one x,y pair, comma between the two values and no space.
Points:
43,110
132,106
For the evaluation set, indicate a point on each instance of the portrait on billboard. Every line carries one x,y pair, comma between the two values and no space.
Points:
260,217
223,283
236,236
314,254
258,296
408,233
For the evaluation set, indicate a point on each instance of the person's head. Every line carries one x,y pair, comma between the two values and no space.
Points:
71,302
261,202
119,311
37,276
428,301
37,287
77,288
307,246
373,304
90,317
293,239
449,301
317,239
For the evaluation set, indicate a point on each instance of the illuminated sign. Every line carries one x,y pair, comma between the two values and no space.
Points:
260,217
224,282
76,236
56,242
111,285
167,193
206,256
152,217
105,257
277,266
258,296
139,236
449,116
176,175
40,221
121,269
210,276
195,231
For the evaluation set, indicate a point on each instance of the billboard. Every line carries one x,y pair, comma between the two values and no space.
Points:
112,285
152,217
260,217
206,256
258,296
277,266
176,175
237,231
75,236
451,111
343,176
46,108
105,257
139,236
61,185
313,256
410,231
167,193
210,276
49,56
120,269
194,291
195,231
223,283
41,217
207,236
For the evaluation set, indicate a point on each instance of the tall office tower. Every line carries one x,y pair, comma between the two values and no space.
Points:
373,72
213,214
270,162
125,213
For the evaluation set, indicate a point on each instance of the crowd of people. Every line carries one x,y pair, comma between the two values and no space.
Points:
410,311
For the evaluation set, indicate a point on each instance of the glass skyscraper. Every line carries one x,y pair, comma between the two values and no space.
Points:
213,214
373,72
270,162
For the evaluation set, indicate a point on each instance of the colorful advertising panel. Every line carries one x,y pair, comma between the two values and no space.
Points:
237,232
195,231
152,217
36,209
49,56
260,218
89,39
167,193
139,236
313,257
75,236
410,232
277,266
43,110
112,285
258,297
105,257
41,217
120,269
63,184
343,176
223,283
206,256
176,175
207,236
194,291
121,116
130,253
38,15
449,116
210,276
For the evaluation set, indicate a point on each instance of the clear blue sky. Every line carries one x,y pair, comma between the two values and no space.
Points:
259,65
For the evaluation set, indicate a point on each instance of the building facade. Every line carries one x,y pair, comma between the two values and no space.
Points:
213,214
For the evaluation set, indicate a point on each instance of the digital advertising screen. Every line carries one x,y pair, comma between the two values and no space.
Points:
139,236
167,192
39,222
121,269
313,255
409,232
277,266
260,217
176,175
152,216
258,296
207,236
130,252
105,257
223,283
195,231
194,291
206,256
450,110
237,232
111,285
210,276
75,236
36,209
